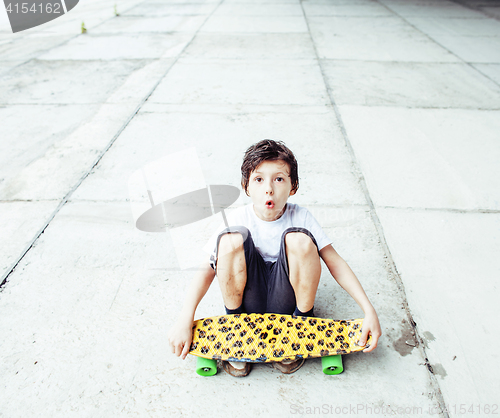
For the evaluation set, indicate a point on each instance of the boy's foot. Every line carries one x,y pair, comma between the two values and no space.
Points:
237,369
289,366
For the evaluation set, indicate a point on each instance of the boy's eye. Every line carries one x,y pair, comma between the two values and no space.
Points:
258,179
279,179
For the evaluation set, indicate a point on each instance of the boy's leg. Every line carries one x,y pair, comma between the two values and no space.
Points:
241,271
304,268
231,270
296,274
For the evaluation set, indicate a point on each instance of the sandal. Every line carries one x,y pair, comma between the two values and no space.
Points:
233,371
289,366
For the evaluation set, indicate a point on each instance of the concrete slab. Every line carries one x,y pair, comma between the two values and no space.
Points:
472,49
252,46
110,325
157,8
411,85
29,131
8,66
119,46
431,8
70,82
140,83
490,70
368,9
252,24
249,9
131,24
456,26
439,159
238,82
377,39
20,223
29,47
311,132
70,157
445,261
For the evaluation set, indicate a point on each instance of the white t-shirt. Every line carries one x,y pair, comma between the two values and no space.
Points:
267,235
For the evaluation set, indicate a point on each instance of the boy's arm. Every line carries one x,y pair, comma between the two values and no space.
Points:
344,276
180,335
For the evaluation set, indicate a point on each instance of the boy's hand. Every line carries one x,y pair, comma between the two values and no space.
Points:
371,326
180,337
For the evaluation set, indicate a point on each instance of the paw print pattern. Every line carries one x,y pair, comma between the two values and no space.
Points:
278,353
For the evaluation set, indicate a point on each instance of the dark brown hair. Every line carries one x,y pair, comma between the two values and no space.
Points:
268,150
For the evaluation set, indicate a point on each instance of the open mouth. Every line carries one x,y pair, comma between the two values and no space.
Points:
270,204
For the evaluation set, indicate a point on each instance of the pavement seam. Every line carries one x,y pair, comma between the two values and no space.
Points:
68,195
380,231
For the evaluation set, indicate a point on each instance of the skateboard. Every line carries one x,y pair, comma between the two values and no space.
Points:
264,338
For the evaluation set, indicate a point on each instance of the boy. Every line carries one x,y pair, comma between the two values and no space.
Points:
268,260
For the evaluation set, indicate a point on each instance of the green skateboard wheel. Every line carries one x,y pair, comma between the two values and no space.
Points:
205,366
332,364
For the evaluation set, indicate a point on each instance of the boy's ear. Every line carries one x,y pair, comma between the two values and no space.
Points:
292,192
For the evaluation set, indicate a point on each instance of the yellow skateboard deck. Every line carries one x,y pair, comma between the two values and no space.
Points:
263,338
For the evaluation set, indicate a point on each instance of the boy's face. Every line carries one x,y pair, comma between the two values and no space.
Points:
269,187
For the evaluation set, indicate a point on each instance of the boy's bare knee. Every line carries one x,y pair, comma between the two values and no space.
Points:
229,243
298,242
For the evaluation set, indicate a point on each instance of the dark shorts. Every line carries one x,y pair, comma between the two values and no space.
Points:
268,288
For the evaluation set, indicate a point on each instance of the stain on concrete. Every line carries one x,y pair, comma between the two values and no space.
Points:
439,370
406,342
427,337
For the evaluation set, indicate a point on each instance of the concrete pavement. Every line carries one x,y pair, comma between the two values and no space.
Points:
392,110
